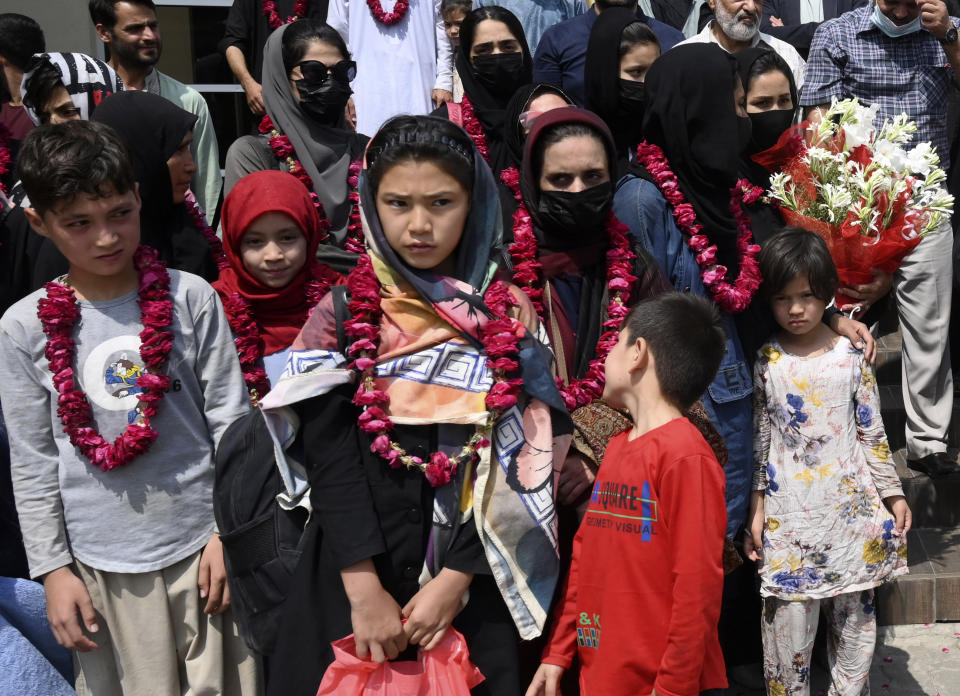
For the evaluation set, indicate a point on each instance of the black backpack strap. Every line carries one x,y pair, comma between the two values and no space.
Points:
341,313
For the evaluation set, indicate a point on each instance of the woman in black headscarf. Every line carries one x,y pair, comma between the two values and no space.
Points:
527,103
771,104
493,63
619,54
695,114
567,202
306,84
157,134
525,106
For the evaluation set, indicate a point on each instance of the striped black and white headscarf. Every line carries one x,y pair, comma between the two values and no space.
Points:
88,80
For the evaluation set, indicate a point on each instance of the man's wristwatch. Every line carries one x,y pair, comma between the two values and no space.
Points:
950,37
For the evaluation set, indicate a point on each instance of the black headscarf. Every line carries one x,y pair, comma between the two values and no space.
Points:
691,116
520,102
745,62
602,77
152,128
491,111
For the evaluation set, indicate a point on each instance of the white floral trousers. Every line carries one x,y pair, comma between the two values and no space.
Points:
789,628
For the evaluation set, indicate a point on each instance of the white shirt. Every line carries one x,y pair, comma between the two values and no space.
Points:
399,66
797,65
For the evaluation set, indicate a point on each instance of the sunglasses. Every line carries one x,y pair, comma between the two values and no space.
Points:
528,117
315,71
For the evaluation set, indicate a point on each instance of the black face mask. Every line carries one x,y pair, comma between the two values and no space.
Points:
768,126
633,97
744,131
500,73
575,215
325,100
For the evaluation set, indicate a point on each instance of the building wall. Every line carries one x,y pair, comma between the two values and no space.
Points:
66,23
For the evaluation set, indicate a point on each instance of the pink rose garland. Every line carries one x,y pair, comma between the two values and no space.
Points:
244,325
499,337
284,151
388,18
5,158
273,19
200,222
59,312
732,298
473,127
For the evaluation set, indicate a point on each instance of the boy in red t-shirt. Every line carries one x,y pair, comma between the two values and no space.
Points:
642,600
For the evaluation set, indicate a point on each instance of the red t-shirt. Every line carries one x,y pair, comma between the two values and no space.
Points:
642,600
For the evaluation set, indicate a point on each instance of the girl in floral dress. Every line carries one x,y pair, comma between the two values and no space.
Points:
828,519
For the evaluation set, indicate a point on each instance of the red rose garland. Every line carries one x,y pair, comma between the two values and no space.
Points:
200,222
5,159
473,127
284,151
273,19
732,298
388,18
527,274
59,312
243,323
499,338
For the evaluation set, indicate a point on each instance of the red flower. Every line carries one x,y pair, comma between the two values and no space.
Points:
273,19
58,313
388,18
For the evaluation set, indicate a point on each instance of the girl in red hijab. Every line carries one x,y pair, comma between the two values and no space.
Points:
271,231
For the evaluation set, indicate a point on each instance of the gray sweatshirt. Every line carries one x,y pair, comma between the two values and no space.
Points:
157,509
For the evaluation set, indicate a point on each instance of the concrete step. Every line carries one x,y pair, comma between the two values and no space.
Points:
935,503
931,591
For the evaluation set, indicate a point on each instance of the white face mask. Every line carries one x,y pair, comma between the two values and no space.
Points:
894,31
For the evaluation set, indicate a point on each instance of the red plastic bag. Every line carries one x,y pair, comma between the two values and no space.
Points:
444,671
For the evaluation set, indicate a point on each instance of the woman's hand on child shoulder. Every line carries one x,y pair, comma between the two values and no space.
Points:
858,333
67,597
897,505
431,611
212,578
546,682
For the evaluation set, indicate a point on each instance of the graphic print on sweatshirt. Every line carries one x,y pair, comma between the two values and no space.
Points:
588,631
624,508
110,375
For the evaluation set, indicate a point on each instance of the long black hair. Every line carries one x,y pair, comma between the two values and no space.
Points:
299,35
421,138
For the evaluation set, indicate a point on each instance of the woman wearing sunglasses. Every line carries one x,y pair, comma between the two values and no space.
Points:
306,85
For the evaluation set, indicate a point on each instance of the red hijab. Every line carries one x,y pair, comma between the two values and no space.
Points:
280,312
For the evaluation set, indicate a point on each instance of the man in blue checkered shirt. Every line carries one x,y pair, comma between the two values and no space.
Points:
903,55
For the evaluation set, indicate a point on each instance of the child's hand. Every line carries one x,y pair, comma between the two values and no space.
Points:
212,579
546,682
431,611
377,628
897,505
374,613
66,597
576,477
753,535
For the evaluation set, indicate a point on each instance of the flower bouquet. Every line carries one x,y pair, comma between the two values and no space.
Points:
860,189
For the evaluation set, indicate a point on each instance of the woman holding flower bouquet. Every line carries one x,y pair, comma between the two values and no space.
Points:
686,205
431,462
